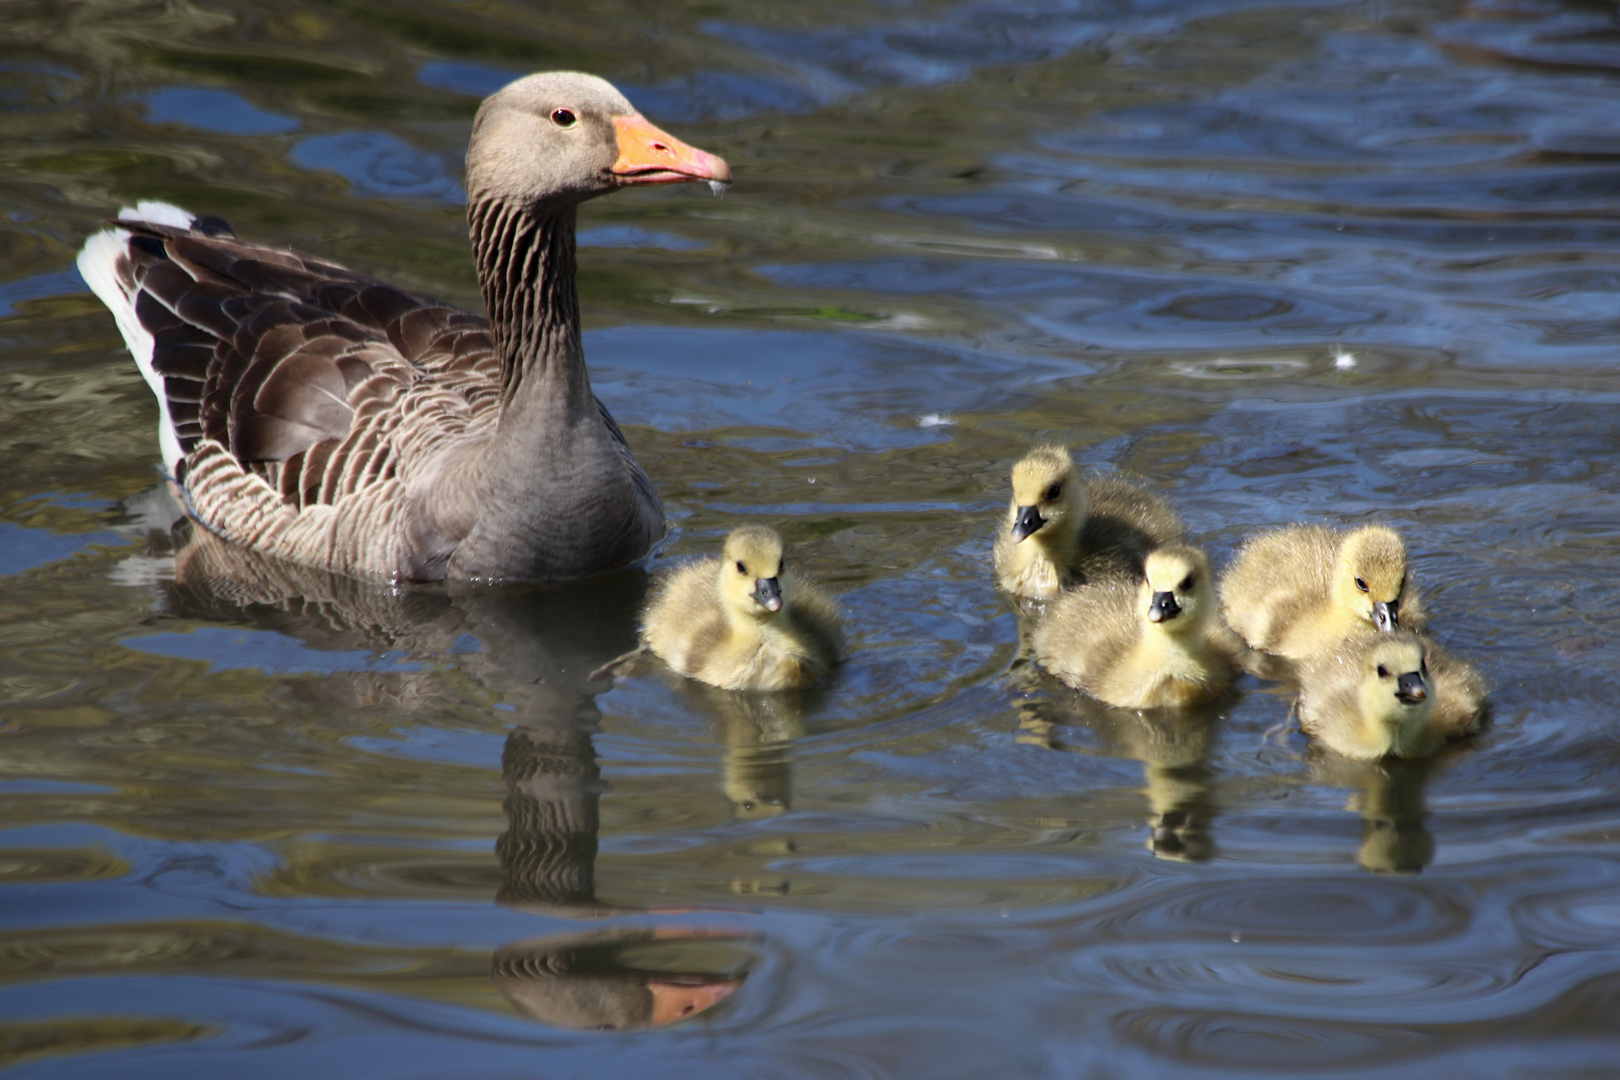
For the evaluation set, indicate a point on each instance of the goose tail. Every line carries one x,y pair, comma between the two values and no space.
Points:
105,266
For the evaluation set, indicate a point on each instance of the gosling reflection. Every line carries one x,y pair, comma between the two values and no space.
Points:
619,981
1173,746
1389,797
758,732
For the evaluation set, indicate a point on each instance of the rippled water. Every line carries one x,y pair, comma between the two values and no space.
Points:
1309,261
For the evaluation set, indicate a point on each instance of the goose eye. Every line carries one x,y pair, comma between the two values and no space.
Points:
564,118
1053,492
741,569
1186,584
1383,672
1361,583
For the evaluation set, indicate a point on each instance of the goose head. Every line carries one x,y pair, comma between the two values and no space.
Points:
1048,500
753,580
1369,576
560,137
1394,696
1175,595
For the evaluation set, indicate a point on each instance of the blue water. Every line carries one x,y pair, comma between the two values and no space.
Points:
1326,262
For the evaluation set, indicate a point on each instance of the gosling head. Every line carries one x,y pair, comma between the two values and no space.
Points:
1395,695
1047,497
751,572
1175,593
1369,575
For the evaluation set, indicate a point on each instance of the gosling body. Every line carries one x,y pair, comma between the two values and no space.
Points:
1299,590
1060,530
1154,643
1396,694
743,621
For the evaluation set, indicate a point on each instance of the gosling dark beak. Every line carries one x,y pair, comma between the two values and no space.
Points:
768,591
1028,523
1384,615
1409,688
1164,607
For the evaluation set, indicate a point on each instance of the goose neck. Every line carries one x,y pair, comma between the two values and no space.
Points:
526,266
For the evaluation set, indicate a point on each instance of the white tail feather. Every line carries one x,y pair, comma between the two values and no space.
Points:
158,213
98,265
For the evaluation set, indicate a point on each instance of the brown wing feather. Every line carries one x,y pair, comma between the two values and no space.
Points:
271,353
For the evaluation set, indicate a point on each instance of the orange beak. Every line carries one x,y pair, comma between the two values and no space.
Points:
650,156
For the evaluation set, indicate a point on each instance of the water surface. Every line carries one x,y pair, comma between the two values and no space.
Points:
1320,261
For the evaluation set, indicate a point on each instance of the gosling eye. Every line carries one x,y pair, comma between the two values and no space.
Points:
1361,583
1383,672
781,567
1053,492
741,569
1186,584
564,118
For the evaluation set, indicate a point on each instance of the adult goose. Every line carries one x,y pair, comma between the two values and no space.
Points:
321,416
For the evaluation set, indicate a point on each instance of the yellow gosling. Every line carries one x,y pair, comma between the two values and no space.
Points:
1144,644
1396,694
1298,590
743,621
1059,530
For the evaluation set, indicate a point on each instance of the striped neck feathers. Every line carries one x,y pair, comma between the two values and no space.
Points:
526,266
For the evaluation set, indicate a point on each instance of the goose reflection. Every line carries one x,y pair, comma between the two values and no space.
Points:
610,980
541,649
1173,746
1389,797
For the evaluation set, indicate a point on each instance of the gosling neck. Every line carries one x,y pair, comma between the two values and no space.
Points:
1058,542
1389,727
748,620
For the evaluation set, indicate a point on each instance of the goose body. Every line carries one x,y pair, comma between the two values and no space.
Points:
318,415
1396,694
1059,529
742,622
1153,643
1298,590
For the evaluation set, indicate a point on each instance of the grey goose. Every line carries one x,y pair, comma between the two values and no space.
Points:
318,415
